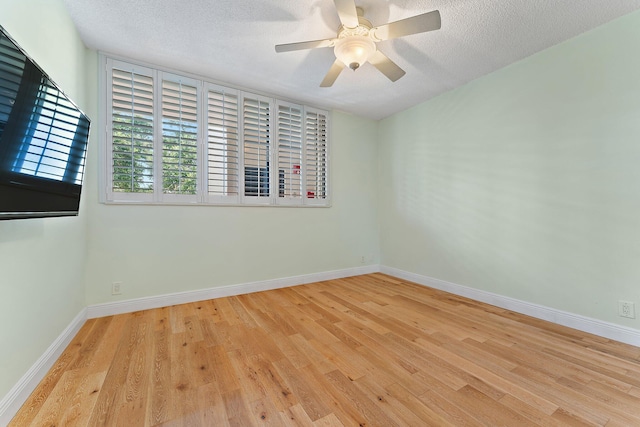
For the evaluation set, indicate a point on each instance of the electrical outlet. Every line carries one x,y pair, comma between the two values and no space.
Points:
116,288
362,259
627,309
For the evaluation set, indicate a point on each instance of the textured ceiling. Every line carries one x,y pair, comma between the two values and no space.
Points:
232,41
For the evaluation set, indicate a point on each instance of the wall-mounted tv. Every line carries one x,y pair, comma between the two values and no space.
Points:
43,140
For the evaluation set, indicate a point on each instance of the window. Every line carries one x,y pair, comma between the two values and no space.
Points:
176,139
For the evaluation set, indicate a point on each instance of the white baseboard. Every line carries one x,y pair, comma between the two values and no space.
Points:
575,321
11,403
147,303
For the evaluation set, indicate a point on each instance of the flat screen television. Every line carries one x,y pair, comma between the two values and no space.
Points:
43,140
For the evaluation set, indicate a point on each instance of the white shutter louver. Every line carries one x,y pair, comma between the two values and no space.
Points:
257,146
222,143
316,155
289,151
131,132
179,137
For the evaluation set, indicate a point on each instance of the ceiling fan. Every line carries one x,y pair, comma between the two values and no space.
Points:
355,43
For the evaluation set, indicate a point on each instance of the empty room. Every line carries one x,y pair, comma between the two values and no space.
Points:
319,213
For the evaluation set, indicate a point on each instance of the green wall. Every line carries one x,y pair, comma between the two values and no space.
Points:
42,261
526,182
155,250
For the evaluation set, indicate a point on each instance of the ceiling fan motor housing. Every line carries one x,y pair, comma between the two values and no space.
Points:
354,50
354,46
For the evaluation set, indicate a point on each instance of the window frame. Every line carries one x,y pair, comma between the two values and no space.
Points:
203,196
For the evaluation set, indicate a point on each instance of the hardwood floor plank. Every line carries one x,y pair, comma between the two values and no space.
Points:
530,410
83,400
448,410
212,409
329,421
370,350
400,413
278,391
247,376
358,400
310,350
159,386
487,410
140,364
296,416
314,405
55,407
567,399
110,395
92,342
237,408
264,413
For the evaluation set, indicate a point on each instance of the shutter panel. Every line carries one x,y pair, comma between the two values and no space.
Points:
316,157
256,116
175,139
289,152
179,137
131,132
222,144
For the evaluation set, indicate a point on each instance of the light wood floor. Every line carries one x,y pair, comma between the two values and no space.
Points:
365,351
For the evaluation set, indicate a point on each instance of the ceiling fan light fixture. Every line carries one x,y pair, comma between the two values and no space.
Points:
356,40
353,51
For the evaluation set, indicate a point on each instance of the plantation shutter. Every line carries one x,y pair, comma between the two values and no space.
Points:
289,153
223,178
256,122
131,129
179,136
174,139
316,157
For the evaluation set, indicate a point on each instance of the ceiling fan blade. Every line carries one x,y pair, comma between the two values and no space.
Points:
347,13
304,45
333,74
386,66
417,24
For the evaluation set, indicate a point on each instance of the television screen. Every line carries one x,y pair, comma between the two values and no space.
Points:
43,140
